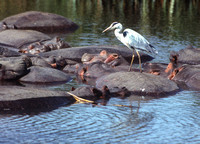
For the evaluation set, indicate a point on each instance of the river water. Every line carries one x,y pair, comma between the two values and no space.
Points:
168,25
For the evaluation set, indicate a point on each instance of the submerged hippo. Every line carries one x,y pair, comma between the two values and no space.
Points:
161,69
112,59
40,21
96,65
187,75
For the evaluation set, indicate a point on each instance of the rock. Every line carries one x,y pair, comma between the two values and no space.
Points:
187,76
76,53
13,67
39,74
189,55
138,83
40,21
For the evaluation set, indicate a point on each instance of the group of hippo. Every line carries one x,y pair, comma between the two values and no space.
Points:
28,55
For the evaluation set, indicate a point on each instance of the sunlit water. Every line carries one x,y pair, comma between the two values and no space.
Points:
171,25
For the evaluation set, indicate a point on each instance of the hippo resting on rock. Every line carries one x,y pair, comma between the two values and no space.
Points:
29,41
40,21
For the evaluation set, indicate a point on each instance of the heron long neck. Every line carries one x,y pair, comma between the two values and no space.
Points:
118,33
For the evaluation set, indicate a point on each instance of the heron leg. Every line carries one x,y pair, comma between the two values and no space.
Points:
131,63
139,60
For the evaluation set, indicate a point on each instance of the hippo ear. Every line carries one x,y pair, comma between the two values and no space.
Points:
97,93
72,89
173,57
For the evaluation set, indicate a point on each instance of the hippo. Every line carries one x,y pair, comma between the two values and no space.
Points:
144,84
187,76
44,46
39,74
76,53
162,69
13,68
96,65
40,21
112,59
54,62
189,55
18,99
29,41
9,52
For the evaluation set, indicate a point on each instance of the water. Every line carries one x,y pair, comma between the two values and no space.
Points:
168,25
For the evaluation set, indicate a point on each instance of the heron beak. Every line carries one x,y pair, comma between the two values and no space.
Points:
107,29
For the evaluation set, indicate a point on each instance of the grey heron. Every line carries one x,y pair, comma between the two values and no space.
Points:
132,40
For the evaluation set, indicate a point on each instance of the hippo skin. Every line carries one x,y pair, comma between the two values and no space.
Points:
138,83
12,68
189,55
187,76
39,74
40,21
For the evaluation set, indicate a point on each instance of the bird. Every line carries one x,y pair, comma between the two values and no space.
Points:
133,40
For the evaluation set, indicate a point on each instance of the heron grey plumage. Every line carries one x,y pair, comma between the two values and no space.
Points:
132,40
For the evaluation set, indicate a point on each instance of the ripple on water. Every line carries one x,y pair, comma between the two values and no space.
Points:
165,120
76,123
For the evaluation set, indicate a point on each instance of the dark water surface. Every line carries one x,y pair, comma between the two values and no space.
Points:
167,24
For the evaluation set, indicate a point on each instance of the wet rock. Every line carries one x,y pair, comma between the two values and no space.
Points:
39,74
14,67
76,53
138,83
187,76
189,55
40,21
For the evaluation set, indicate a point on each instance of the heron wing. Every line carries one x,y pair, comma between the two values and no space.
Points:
136,40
